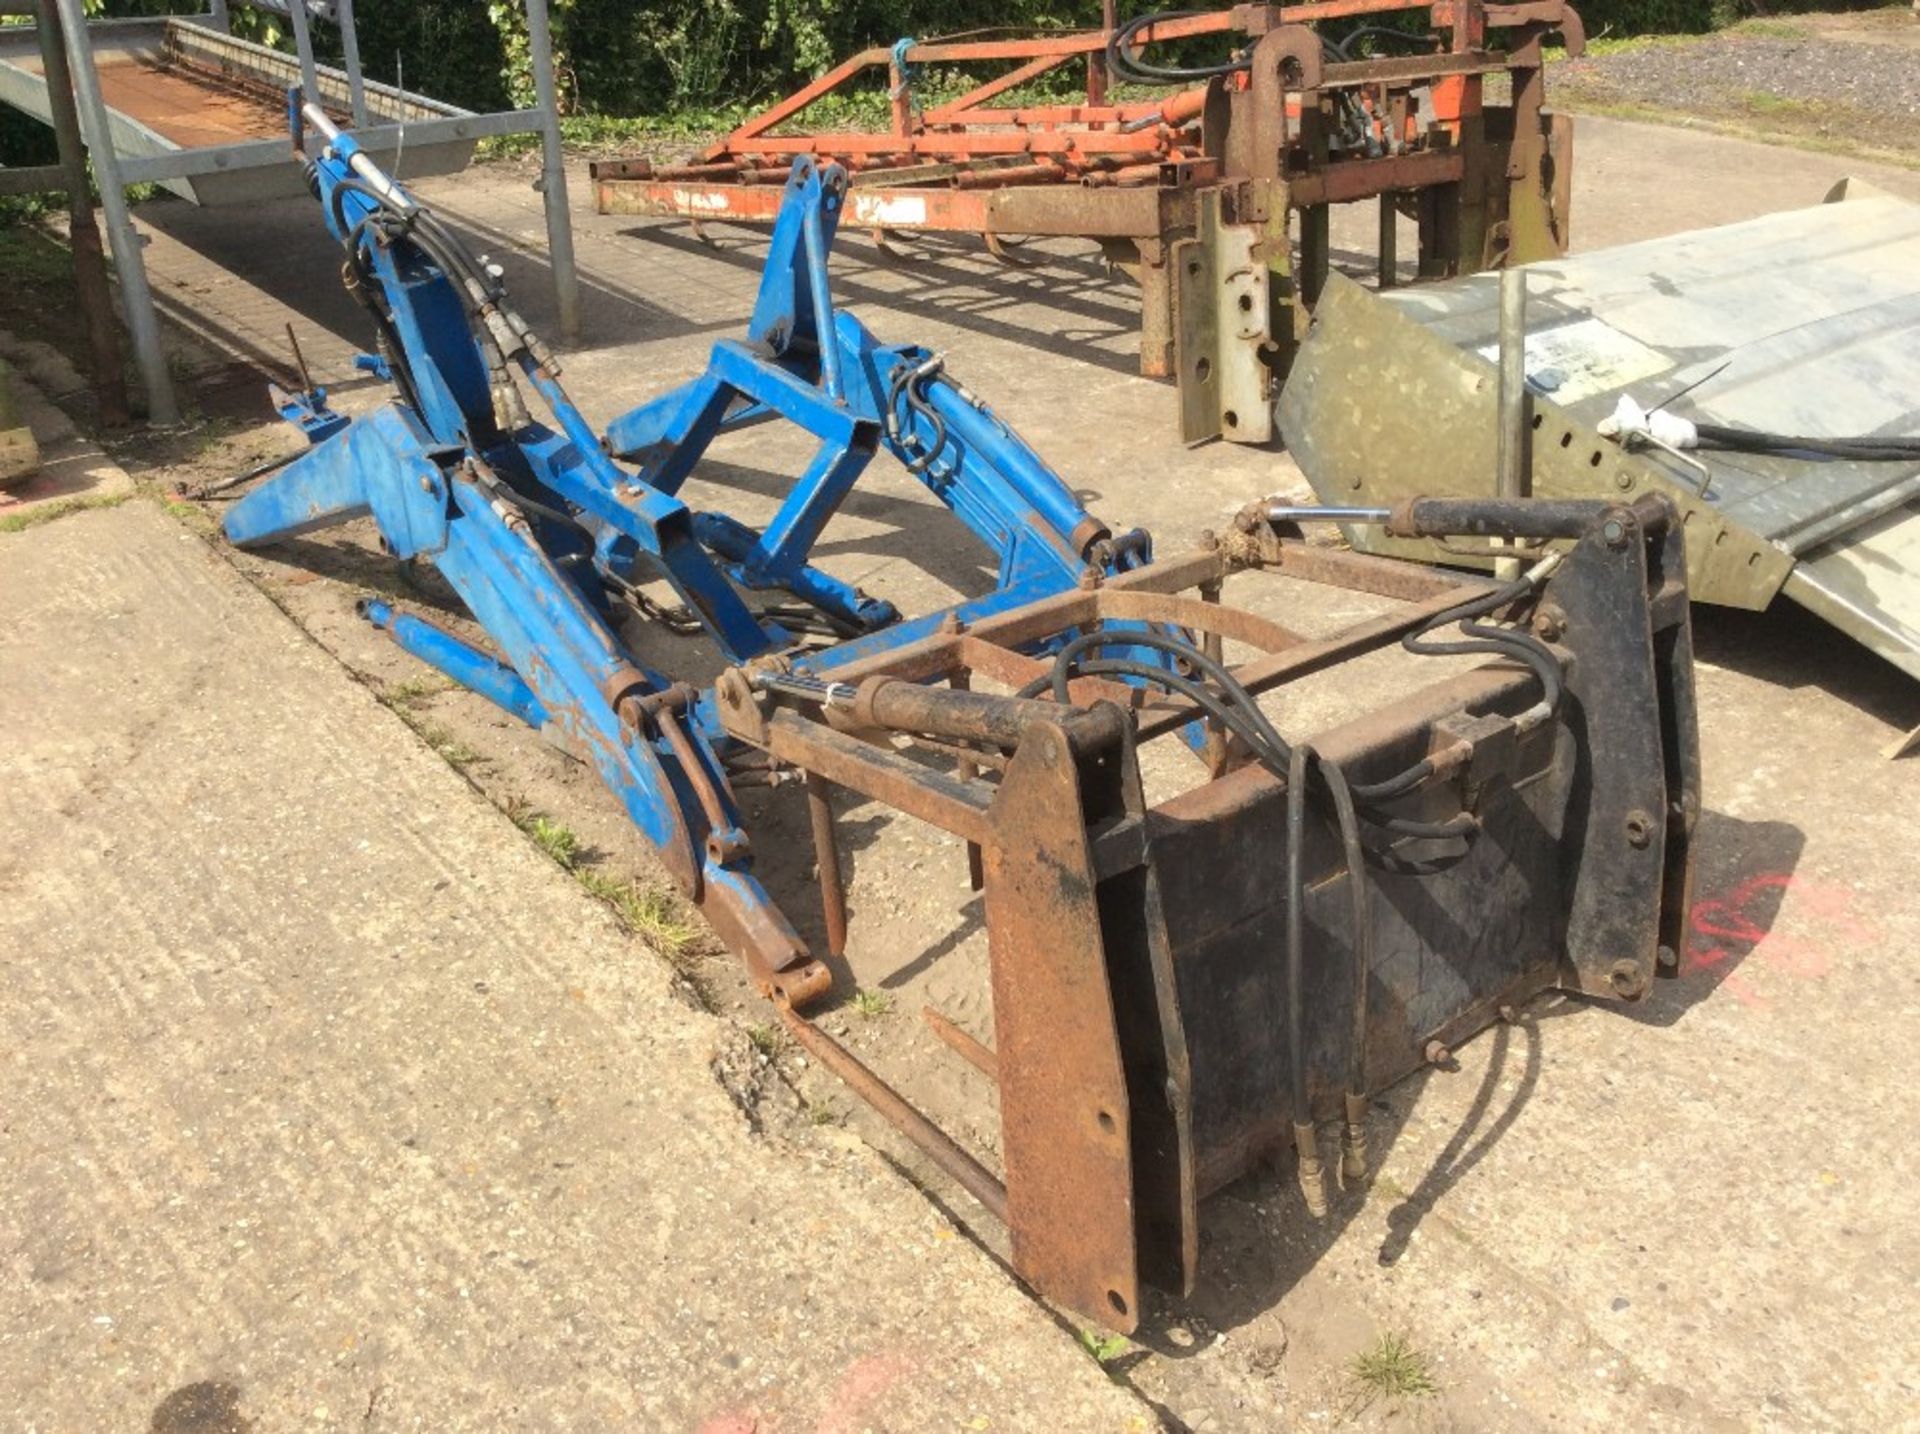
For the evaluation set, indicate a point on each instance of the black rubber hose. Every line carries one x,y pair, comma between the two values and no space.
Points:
1353,1145
1141,72
1297,1102
1866,449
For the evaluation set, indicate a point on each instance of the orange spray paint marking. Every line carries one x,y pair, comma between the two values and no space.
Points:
1733,919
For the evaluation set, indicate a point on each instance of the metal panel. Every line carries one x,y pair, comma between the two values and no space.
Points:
1867,584
1803,322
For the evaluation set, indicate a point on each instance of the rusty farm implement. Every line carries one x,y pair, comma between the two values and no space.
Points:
1213,185
1183,983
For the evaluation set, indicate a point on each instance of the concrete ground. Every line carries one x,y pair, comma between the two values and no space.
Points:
332,1103
1695,1213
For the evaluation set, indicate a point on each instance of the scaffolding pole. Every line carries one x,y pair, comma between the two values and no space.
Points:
83,235
553,173
143,324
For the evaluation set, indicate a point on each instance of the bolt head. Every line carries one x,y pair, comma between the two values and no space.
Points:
426,484
1627,979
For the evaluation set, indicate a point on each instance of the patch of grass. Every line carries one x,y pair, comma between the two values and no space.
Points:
1765,102
1600,46
47,512
1594,101
455,753
557,841
1104,1347
604,133
871,1005
819,1112
1765,29
651,915
1392,1369
767,1038
416,690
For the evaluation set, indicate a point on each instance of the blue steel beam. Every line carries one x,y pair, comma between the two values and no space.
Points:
535,526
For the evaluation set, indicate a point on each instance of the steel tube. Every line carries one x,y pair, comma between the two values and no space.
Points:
553,174
460,660
826,854
1510,479
83,235
361,163
974,1053
350,52
935,1143
303,43
1320,513
143,323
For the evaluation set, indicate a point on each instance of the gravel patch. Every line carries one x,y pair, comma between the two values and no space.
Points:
1839,90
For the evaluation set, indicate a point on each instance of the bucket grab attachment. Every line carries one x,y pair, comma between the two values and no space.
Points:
1180,986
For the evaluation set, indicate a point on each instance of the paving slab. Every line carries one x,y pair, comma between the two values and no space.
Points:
332,1103
67,471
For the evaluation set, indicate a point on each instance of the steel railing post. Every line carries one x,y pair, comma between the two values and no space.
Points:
553,173
143,323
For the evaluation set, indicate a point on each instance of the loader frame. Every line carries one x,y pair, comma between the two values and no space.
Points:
1180,988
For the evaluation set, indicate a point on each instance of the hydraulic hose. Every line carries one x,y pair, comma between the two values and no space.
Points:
1141,72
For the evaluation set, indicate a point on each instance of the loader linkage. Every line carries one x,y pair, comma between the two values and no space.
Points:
1180,986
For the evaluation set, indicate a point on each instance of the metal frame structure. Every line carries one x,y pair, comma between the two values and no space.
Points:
1179,988
107,136
1197,193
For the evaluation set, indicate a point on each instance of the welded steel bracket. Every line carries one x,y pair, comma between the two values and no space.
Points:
1224,306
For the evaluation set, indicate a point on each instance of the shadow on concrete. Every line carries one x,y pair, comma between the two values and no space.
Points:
1742,871
1789,647
1094,308
283,248
1257,1240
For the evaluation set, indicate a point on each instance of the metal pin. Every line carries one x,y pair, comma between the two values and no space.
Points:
1317,513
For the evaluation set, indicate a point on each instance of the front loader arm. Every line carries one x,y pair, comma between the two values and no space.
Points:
1180,987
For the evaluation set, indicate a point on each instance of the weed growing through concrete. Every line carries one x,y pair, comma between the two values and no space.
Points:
871,1005
47,512
416,690
649,914
1392,1369
455,753
557,841
767,1038
1104,1347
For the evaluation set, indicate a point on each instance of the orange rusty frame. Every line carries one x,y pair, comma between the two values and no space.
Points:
1068,1197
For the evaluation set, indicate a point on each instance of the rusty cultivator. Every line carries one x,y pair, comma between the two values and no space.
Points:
1181,986
1204,187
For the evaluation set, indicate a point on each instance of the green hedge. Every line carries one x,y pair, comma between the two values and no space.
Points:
655,57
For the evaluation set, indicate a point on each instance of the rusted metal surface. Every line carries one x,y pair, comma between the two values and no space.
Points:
1193,192
975,1053
1139,1049
826,852
968,1173
1064,1115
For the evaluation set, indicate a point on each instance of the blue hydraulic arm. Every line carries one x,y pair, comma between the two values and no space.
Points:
822,369
532,526
541,529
